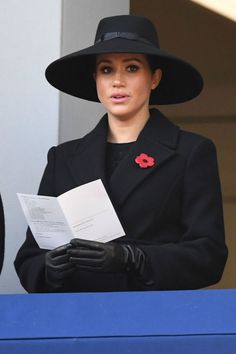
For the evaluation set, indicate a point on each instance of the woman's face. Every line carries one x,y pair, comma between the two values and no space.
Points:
124,82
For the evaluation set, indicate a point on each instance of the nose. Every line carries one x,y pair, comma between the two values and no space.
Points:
116,83
118,80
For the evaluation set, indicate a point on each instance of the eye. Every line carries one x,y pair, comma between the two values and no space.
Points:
104,69
132,68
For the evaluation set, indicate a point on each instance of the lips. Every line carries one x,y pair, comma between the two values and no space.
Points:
119,97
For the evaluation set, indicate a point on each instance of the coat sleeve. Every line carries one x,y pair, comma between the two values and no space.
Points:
198,259
30,259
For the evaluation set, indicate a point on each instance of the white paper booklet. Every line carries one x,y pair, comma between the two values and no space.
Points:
84,212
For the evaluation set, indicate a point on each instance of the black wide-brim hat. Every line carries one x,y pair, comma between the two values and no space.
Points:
73,73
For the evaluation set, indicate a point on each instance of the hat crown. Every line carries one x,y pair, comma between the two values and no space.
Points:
140,27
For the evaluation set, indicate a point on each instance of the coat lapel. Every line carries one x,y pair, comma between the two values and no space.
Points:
88,161
158,139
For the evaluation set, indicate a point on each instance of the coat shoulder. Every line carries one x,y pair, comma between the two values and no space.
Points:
193,140
73,146
167,132
68,148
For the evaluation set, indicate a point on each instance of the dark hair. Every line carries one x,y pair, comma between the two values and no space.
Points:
152,61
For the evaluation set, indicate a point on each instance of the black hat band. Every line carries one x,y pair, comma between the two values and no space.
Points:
125,35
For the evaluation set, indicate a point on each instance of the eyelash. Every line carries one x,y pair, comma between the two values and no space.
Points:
105,69
132,68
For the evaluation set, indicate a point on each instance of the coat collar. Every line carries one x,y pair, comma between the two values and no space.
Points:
87,163
158,139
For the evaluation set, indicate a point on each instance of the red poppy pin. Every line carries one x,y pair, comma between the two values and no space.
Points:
144,161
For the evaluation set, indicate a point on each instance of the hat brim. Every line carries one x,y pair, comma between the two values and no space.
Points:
73,73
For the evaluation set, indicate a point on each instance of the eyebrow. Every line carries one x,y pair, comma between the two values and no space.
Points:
108,61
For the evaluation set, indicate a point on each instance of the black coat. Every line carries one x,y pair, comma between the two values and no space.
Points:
2,234
172,210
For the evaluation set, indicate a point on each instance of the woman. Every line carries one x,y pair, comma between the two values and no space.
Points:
163,181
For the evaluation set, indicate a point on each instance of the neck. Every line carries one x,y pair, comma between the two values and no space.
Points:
125,130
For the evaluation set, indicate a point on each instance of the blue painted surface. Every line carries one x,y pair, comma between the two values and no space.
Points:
132,322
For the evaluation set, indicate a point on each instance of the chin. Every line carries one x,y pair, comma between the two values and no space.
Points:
120,112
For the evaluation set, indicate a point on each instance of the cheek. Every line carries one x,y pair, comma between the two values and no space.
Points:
144,86
100,87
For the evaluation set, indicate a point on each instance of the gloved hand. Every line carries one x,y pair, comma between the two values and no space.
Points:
110,257
57,266
98,256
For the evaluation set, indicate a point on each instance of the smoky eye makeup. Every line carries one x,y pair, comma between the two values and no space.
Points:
131,64
104,69
132,68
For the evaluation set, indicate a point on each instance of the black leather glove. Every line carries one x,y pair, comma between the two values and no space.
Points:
139,265
111,257
98,256
57,266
